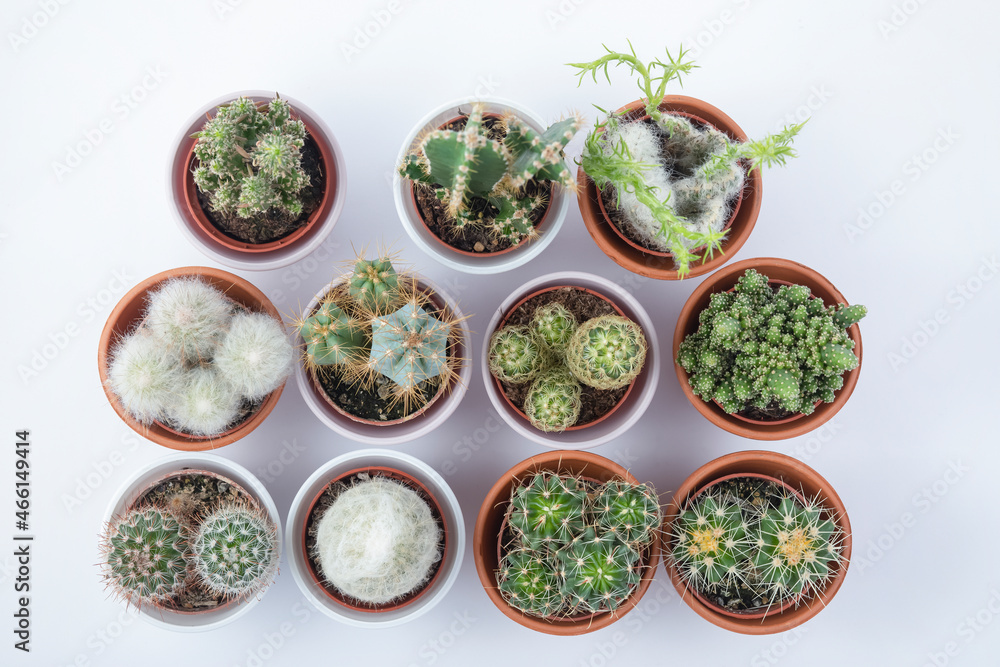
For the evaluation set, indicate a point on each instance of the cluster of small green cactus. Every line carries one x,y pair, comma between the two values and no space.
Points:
557,356
577,545
249,160
782,551
197,361
675,180
760,347
377,326
151,555
481,180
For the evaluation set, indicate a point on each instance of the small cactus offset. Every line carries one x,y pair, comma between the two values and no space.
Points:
769,349
146,554
554,326
548,510
553,401
516,355
235,551
332,337
628,512
374,284
607,352
599,572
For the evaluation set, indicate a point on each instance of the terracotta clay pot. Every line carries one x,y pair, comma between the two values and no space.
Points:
778,270
489,527
351,603
127,315
794,474
659,265
257,256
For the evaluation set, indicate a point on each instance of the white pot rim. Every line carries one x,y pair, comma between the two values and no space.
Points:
394,434
451,511
280,257
426,241
139,480
638,399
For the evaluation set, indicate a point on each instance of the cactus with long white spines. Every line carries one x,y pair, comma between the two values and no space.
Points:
607,352
145,556
235,550
553,401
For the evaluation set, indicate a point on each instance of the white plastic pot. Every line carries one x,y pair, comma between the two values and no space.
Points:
254,261
391,434
135,485
431,244
632,407
451,514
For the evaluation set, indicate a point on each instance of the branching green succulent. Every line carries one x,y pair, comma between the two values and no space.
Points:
481,180
249,160
769,349
578,545
675,180
146,555
236,550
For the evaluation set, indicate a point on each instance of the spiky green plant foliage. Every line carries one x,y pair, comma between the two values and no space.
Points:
249,159
760,347
607,352
332,337
516,355
235,550
409,346
482,180
674,180
378,541
529,581
548,510
553,402
374,283
554,325
197,361
711,541
629,512
145,556
598,571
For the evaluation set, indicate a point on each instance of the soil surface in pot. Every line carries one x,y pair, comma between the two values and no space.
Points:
474,238
189,496
273,224
595,402
323,504
773,412
375,403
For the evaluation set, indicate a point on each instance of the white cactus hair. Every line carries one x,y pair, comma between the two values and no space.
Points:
189,315
235,550
204,404
143,378
378,541
255,356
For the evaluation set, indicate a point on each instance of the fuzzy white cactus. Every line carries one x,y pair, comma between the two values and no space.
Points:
378,541
188,315
236,550
142,377
255,356
204,404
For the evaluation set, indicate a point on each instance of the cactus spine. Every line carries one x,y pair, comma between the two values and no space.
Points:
236,551
146,554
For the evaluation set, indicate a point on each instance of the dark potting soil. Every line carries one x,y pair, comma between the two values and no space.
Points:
273,224
190,496
330,494
474,238
595,402
773,412
375,403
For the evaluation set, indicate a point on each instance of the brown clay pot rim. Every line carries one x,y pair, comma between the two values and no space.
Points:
437,239
318,388
344,599
651,266
793,471
758,430
499,495
111,333
503,321
651,251
197,214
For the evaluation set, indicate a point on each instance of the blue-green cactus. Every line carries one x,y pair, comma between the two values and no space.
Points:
409,346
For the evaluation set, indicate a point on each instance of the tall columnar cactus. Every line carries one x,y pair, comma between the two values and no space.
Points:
410,346
553,402
249,159
766,348
711,541
146,554
529,582
554,326
627,512
516,355
599,572
607,352
548,510
235,551
374,284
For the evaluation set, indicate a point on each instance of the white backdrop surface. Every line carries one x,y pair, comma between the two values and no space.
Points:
891,199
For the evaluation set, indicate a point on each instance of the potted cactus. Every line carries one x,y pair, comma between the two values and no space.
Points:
570,360
190,543
770,348
258,181
381,348
757,542
567,542
670,186
480,184
375,538
194,358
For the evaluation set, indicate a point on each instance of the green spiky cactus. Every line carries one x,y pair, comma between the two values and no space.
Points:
374,284
760,347
332,337
249,158
409,346
553,401
628,512
548,510
599,572
554,326
540,156
711,541
529,582
235,551
516,356
607,352
146,554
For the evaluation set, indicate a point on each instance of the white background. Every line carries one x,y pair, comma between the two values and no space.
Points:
878,98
